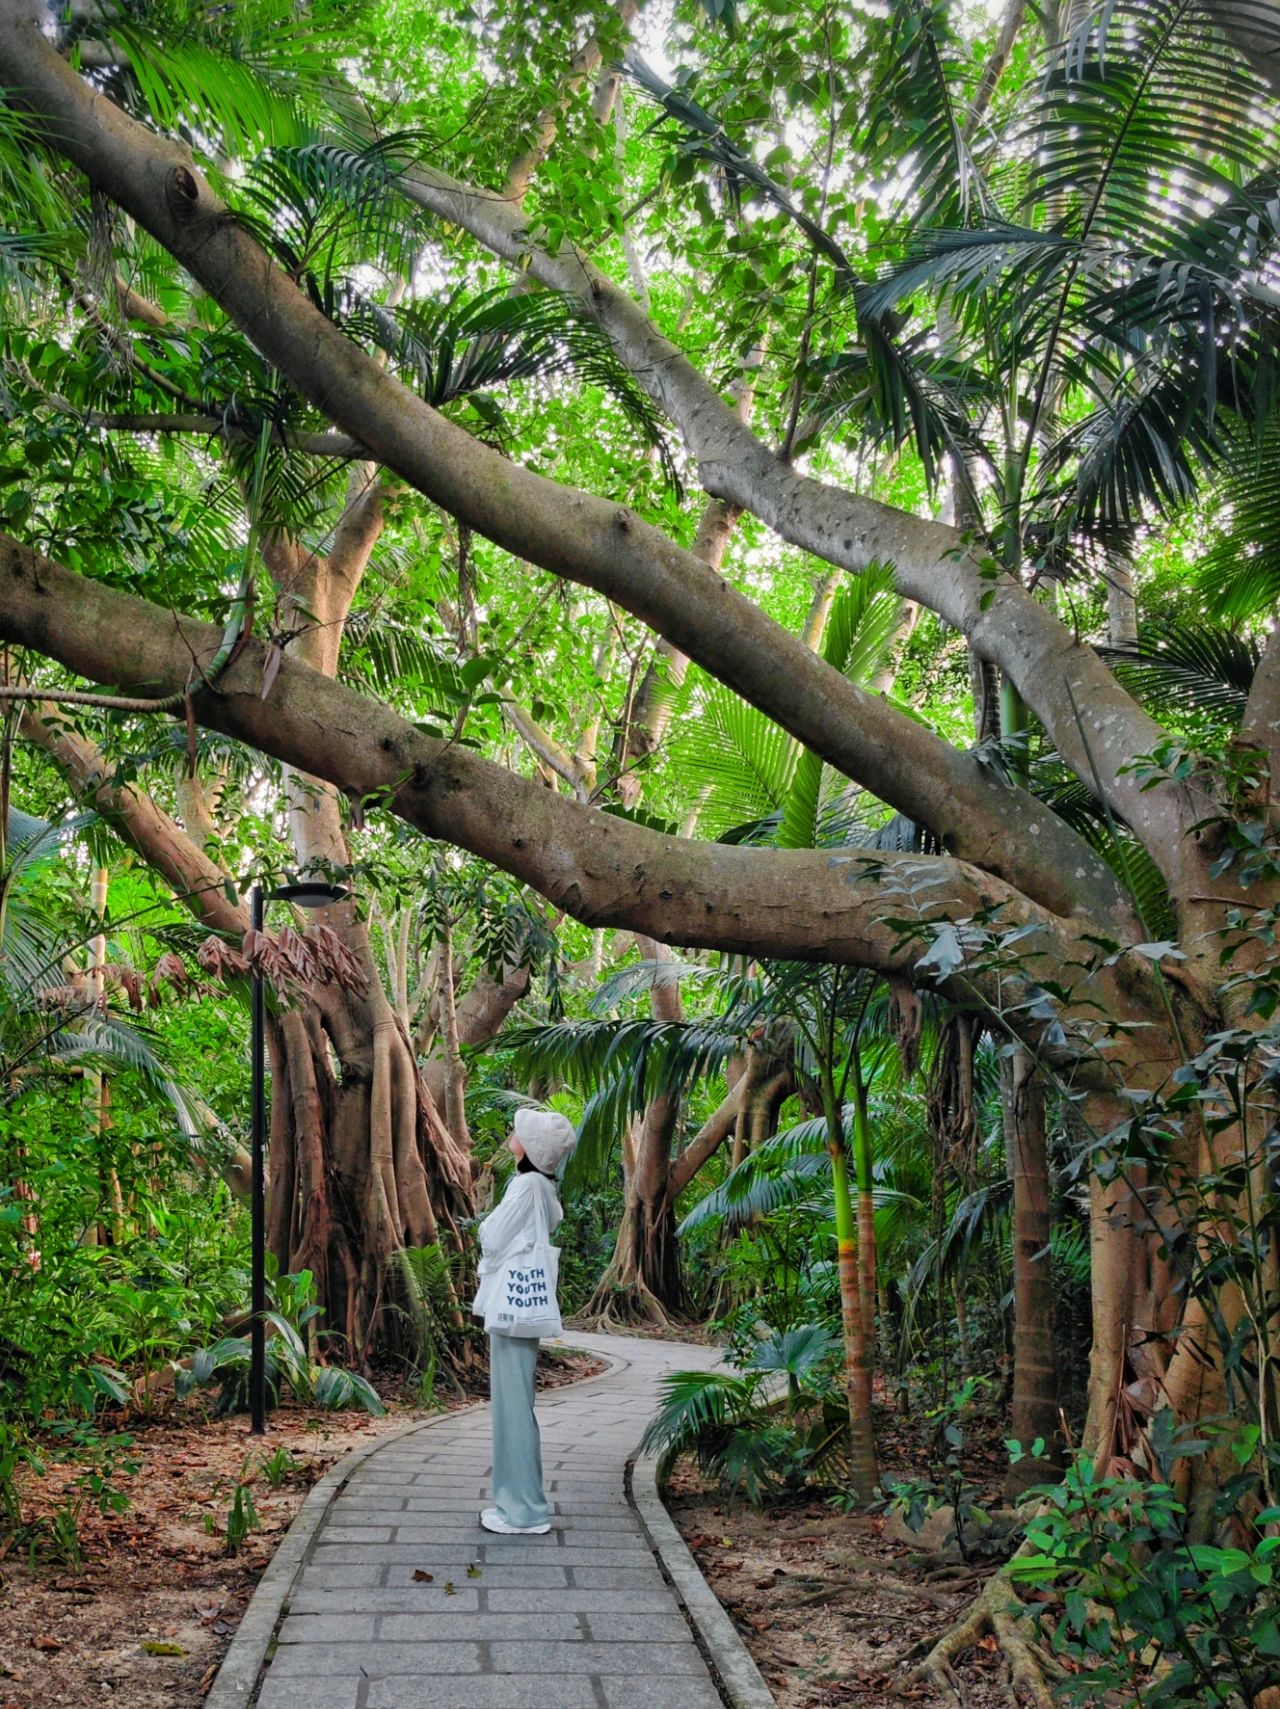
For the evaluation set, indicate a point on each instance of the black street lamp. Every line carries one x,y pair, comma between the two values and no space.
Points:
307,894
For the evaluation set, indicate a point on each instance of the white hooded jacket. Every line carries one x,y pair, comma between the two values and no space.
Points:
512,1228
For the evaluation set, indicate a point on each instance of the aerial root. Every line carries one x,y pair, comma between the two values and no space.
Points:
619,1306
995,1610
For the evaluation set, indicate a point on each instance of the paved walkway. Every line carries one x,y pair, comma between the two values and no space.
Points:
405,1603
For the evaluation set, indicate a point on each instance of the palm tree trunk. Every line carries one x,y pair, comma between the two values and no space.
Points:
1035,1377
863,1161
455,1071
98,1084
864,1475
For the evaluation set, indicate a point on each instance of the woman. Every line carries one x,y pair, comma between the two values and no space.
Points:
530,1208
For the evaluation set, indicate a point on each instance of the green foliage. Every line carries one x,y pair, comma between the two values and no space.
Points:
1059,287
1189,673
288,1359
626,1064
948,1485
429,1301
752,1444
457,349
278,1465
1238,573
235,80
1121,1557
242,1516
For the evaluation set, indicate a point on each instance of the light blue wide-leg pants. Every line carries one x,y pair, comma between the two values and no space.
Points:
517,1447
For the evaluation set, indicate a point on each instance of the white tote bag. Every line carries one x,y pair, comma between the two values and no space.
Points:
523,1300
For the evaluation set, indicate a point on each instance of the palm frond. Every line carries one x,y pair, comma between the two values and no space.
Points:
780,1172
1143,447
393,660
31,841
693,1402
328,174
797,1351
1185,669
459,347
740,761
1145,93
1069,1244
111,1042
1128,858
899,388
425,1286
625,1064
759,1193
41,226
980,1220
31,955
24,261
972,260
1239,575
863,619
645,976
919,91
236,78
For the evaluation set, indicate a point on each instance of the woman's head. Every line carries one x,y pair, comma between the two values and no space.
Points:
543,1138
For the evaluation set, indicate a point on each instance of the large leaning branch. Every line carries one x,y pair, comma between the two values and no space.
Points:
573,534
606,871
1003,621
198,882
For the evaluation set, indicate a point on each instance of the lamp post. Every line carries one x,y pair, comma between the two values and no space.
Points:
307,894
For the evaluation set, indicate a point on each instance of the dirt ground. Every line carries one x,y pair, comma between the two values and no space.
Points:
145,1621
829,1603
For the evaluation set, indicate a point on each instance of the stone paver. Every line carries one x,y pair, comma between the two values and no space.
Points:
404,1602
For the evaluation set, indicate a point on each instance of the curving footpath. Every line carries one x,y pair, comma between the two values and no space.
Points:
392,1596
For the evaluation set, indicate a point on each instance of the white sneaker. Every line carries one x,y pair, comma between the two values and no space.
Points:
492,1520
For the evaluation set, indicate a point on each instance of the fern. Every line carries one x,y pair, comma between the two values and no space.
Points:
428,1298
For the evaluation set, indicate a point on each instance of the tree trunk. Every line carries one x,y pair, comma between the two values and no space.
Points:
863,1159
362,1164
1035,1377
864,1475
455,1072
643,1280
99,1087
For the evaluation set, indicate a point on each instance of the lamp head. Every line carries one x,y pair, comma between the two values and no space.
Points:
310,893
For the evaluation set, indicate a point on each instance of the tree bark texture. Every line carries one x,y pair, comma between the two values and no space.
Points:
864,1473
1035,1377
602,869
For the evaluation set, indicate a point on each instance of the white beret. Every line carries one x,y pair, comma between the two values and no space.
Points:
547,1138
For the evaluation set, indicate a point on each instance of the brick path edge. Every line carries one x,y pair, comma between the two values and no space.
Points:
740,1681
